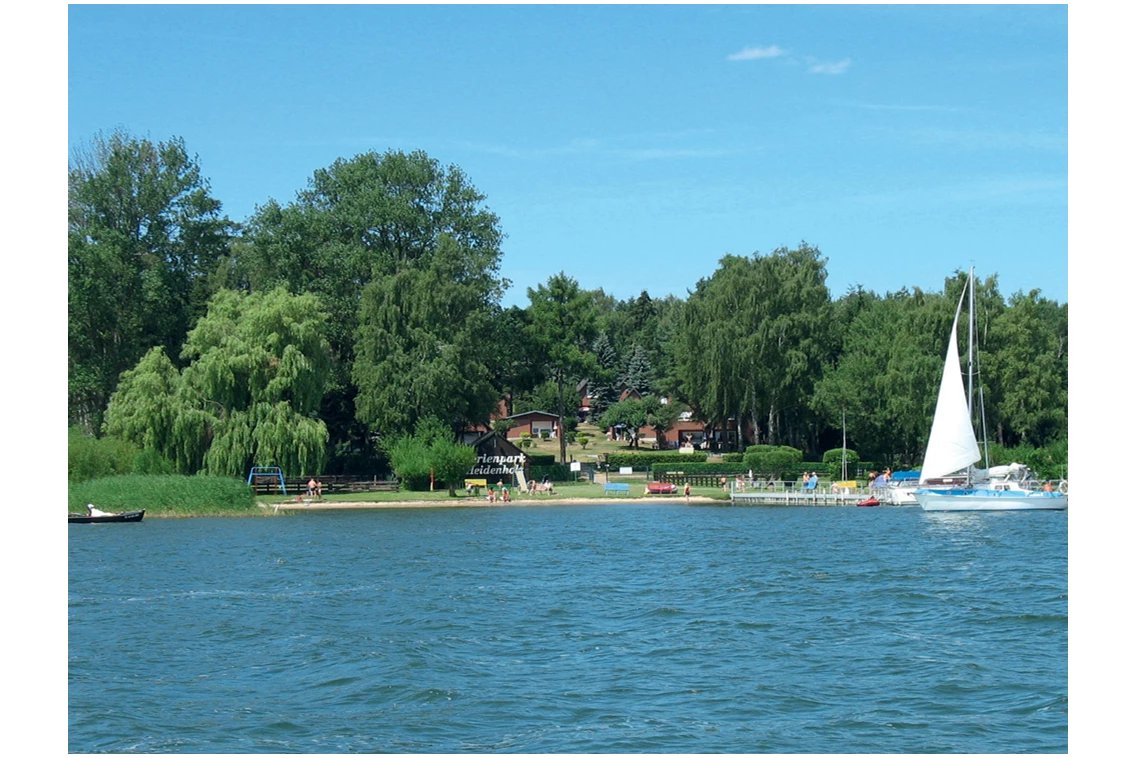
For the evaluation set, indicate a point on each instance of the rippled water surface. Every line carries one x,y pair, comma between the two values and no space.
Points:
600,629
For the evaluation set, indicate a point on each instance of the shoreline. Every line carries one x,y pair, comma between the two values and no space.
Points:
482,503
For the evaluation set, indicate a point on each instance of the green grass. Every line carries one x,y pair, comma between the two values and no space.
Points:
165,495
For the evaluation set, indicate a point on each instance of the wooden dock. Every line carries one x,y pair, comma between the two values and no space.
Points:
788,496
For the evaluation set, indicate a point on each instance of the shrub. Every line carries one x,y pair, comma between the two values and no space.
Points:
771,460
541,459
91,458
832,461
659,470
732,457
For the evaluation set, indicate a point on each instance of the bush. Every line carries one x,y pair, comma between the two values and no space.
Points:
732,457
771,460
832,461
541,459
410,459
90,458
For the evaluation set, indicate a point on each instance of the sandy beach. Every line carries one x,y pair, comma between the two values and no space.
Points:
317,505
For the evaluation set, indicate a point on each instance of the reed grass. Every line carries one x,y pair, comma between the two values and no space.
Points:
168,495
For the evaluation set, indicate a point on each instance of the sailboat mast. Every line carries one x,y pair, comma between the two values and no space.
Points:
972,367
970,345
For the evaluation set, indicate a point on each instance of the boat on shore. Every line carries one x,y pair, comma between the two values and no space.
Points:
948,479
99,517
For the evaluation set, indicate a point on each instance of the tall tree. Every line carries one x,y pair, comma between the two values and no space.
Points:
146,242
563,325
602,384
422,347
637,375
887,376
752,340
359,222
512,356
1028,371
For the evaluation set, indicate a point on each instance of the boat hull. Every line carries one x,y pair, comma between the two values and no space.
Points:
991,500
130,517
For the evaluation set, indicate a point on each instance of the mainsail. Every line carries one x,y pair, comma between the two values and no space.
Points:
951,445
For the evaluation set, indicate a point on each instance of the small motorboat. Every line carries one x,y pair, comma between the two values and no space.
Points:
869,501
127,517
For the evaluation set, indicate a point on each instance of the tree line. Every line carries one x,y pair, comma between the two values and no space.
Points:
318,334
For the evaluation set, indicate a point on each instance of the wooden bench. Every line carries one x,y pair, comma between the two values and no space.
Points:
617,487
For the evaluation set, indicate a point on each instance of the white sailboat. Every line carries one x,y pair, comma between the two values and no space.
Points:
953,449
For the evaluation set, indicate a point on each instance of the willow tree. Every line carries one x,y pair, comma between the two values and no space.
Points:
258,365
752,340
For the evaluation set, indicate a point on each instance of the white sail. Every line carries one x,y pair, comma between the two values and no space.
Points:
951,445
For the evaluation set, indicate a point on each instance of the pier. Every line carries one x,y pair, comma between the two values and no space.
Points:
759,494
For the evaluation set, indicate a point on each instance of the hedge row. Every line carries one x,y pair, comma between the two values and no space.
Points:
659,470
644,460
557,472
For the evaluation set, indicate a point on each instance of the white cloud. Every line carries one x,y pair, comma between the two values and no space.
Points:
753,53
830,68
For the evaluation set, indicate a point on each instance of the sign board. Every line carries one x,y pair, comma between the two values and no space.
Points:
574,466
625,469
498,458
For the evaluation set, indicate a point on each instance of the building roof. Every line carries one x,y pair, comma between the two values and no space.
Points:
531,413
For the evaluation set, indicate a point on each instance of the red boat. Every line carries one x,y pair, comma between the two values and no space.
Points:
662,488
870,501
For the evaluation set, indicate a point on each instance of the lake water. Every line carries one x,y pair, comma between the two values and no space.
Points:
657,628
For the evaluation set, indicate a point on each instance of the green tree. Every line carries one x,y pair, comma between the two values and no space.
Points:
512,356
451,461
662,416
430,454
1027,370
752,340
631,413
888,373
562,324
422,346
147,246
257,369
637,373
602,383
373,223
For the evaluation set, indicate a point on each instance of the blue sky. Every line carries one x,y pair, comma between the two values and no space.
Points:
632,146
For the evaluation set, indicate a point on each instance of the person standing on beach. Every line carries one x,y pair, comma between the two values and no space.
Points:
687,492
